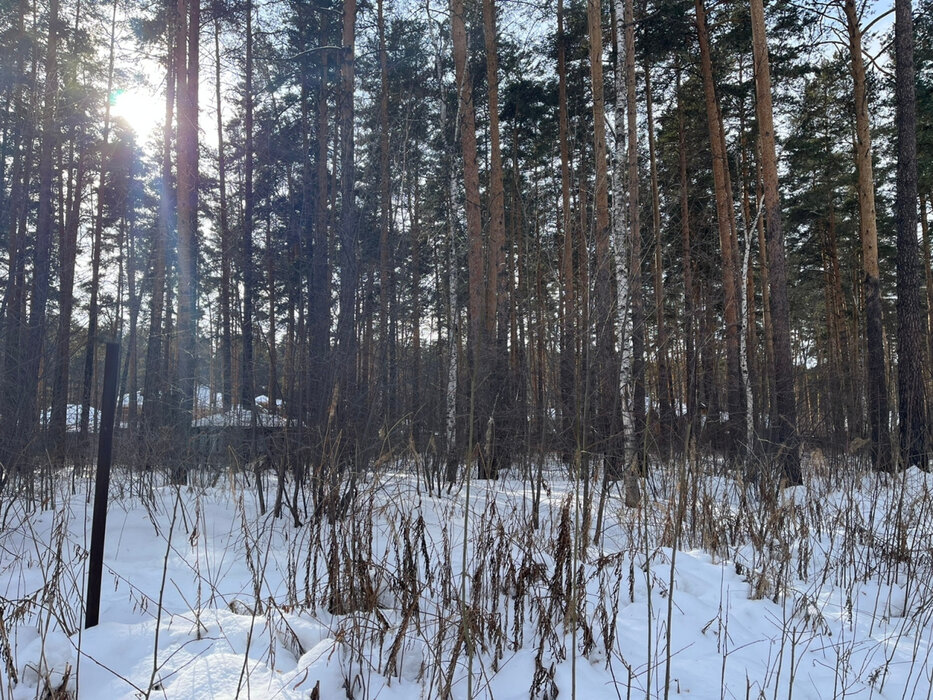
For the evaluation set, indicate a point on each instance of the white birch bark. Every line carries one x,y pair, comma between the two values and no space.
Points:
743,336
621,245
452,306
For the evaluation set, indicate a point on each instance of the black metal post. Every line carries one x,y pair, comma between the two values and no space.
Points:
102,485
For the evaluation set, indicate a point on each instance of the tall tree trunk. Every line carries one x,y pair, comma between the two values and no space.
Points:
665,390
868,231
68,236
135,300
12,225
767,390
154,382
97,246
187,65
497,281
568,339
912,415
634,221
319,306
417,408
186,96
604,362
67,253
385,269
452,305
747,315
272,391
786,437
226,333
349,234
43,245
724,208
749,340
689,287
477,282
836,309
247,389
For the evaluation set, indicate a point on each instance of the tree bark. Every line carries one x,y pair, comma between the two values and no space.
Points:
665,389
912,415
43,245
786,437
477,282
226,333
690,304
724,208
385,269
636,301
154,382
868,231
607,379
345,386
497,282
187,167
319,305
247,376
568,362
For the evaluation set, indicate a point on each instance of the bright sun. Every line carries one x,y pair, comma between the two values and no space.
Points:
141,109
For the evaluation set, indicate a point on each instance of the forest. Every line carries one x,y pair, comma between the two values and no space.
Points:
651,276
471,233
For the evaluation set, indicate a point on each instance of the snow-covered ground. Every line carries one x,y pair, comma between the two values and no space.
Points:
824,593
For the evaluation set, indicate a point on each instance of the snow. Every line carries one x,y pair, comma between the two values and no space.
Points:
263,400
823,593
240,417
72,417
125,399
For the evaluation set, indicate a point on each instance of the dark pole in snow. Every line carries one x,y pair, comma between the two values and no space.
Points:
104,455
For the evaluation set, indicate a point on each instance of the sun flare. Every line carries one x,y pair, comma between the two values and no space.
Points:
139,108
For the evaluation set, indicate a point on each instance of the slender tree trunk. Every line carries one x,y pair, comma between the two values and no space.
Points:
272,391
634,221
349,234
868,231
844,418
786,437
12,220
319,306
135,300
567,277
43,244
385,271
743,338
247,388
477,282
417,408
690,305
607,378
68,236
154,382
97,245
767,390
724,207
187,165
665,389
226,333
497,281
453,308
912,414
750,369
